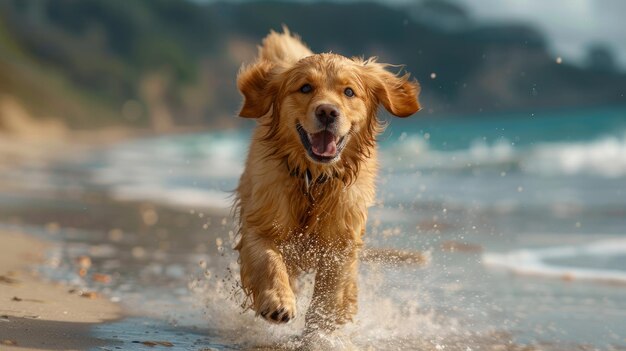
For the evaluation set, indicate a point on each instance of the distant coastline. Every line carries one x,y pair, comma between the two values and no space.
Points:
98,66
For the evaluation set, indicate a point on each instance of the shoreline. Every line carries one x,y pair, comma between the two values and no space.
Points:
40,315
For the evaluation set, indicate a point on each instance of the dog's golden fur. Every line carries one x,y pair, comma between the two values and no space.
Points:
297,214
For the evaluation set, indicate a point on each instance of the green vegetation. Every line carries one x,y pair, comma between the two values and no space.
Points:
174,62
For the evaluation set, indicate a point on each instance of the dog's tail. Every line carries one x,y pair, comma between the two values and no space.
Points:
283,49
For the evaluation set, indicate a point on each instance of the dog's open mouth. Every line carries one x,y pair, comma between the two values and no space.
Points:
323,146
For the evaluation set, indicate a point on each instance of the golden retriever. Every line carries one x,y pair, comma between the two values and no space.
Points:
309,177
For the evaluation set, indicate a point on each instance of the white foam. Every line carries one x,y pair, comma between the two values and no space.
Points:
604,157
180,196
533,261
384,321
187,171
195,170
414,152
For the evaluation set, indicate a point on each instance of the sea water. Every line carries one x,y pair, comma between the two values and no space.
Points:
523,217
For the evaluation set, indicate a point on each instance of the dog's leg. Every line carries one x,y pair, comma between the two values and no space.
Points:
335,293
264,275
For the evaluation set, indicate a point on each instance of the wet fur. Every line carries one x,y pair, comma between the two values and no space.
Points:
286,228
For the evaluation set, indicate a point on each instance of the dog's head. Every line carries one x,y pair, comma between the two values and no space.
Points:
324,104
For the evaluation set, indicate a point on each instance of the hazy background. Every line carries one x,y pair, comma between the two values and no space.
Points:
165,64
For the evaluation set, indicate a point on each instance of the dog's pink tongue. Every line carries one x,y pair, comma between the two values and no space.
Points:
323,143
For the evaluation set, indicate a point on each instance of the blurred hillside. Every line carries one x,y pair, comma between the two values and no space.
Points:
161,64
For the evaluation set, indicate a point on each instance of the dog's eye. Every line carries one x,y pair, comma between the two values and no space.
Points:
305,89
349,92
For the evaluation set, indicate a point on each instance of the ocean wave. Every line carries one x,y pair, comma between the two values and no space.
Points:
414,152
200,169
603,157
214,155
197,171
535,261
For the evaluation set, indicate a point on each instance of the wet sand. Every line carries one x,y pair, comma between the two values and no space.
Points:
38,315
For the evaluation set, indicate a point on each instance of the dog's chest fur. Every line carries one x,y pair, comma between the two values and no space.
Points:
275,202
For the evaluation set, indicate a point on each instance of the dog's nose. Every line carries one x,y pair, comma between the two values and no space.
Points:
326,113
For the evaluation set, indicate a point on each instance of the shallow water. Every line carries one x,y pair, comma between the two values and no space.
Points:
524,218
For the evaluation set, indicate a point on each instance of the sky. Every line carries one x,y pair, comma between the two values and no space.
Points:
571,26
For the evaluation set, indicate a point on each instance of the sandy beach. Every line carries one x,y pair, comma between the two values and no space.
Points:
38,315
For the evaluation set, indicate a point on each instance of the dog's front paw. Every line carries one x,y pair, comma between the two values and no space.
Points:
277,305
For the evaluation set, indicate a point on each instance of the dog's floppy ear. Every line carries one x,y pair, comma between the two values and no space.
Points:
254,82
396,93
